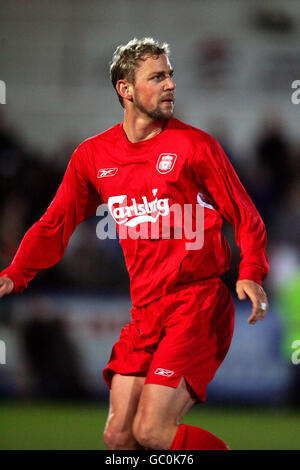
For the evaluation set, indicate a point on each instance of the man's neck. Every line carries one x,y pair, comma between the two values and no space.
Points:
139,129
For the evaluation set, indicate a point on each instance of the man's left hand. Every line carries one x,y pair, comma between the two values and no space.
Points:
255,292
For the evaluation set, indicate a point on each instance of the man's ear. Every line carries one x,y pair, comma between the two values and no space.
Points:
124,88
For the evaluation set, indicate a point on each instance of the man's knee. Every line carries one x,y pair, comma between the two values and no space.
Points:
150,434
117,438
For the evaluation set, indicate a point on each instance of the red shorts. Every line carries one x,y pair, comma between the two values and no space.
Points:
186,333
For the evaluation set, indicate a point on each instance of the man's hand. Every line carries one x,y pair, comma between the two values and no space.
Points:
255,292
6,286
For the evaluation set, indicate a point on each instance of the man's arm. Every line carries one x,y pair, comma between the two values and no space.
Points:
223,185
45,242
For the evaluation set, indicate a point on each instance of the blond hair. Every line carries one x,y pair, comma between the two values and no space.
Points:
125,59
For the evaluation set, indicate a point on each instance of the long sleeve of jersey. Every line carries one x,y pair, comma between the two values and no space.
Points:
45,242
223,186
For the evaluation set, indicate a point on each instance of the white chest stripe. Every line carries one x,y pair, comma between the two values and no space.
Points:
201,201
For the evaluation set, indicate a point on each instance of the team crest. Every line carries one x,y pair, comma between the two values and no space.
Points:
166,162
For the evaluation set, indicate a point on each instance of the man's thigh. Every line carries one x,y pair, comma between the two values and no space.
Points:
124,398
163,404
160,410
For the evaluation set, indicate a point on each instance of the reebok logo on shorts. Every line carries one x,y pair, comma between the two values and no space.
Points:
164,372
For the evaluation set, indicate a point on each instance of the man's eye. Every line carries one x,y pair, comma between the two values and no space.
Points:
161,77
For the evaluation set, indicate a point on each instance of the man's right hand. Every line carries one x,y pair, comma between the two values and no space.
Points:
6,286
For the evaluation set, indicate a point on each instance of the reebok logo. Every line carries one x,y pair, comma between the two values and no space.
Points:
137,213
104,172
164,372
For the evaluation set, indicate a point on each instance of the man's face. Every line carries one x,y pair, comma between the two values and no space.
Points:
154,90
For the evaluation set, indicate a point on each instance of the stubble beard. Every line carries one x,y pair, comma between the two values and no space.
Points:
157,114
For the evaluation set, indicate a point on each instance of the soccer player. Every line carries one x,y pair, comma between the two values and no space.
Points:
183,314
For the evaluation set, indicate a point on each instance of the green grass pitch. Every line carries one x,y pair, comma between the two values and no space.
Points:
67,426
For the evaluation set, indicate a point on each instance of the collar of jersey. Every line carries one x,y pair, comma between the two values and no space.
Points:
137,150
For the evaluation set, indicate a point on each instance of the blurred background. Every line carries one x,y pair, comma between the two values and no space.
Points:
235,63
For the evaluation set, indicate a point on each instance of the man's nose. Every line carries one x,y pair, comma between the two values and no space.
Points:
170,84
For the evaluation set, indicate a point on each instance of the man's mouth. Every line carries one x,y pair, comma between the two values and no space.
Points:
168,100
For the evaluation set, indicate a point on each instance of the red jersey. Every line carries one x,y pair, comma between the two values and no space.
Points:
141,182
